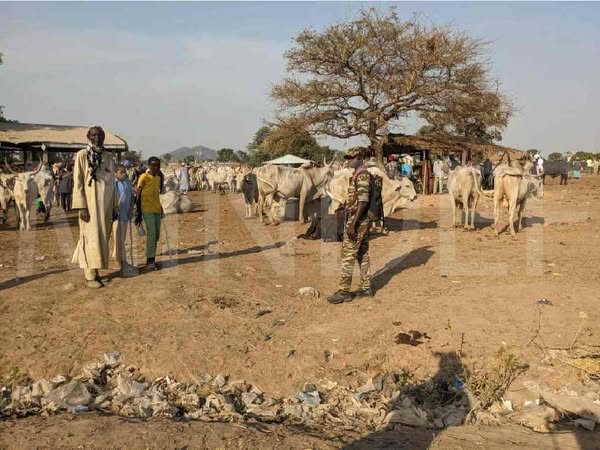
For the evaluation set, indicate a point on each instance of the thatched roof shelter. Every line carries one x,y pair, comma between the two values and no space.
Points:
443,146
29,137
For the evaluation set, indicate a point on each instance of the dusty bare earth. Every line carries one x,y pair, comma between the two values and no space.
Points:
470,292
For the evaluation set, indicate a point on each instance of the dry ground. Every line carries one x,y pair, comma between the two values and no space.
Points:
471,292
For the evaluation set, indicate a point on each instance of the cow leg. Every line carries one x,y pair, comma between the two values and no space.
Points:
520,214
496,215
453,207
466,211
301,202
511,218
27,219
260,206
21,217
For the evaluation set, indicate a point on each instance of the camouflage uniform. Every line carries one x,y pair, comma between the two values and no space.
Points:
357,249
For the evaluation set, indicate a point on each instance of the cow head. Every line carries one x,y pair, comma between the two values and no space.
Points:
403,192
45,187
538,186
276,209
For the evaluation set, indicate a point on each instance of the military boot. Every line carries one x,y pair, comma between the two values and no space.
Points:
340,297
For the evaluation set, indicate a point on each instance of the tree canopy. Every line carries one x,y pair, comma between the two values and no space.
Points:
271,142
227,155
585,155
555,156
366,76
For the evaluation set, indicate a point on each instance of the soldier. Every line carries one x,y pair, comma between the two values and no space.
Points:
355,245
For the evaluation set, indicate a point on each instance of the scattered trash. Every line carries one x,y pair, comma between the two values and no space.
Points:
309,292
544,301
40,258
279,285
112,358
278,322
195,252
458,383
309,396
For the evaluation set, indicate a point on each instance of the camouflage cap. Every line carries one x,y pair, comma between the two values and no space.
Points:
356,151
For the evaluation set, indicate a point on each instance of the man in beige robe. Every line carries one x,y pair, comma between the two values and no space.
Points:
94,197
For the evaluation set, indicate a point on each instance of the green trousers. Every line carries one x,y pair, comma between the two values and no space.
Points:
152,221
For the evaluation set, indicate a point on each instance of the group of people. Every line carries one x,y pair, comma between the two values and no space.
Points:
107,201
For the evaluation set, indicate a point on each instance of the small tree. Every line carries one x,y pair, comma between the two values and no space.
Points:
584,156
555,156
288,137
242,156
189,159
366,76
532,152
227,155
167,157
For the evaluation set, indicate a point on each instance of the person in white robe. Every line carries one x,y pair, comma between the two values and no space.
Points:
94,197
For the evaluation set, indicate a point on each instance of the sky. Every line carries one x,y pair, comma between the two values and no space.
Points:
165,75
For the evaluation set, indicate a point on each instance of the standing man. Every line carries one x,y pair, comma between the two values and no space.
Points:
487,173
184,178
148,189
65,189
539,165
93,196
355,245
391,168
438,175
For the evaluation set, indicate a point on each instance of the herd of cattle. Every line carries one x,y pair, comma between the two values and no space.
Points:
267,190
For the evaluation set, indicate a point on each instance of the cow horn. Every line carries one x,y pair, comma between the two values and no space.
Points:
333,160
38,168
9,168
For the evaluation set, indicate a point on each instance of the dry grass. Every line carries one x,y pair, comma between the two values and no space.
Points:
489,384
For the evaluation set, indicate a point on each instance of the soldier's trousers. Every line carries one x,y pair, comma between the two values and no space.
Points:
356,250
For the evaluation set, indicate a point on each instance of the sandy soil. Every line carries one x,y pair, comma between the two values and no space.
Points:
471,292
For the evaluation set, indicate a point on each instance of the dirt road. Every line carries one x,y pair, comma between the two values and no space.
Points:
470,292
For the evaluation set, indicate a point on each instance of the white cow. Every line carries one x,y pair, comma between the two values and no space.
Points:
395,193
512,187
464,190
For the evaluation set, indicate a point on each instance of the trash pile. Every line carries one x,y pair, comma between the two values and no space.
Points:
385,401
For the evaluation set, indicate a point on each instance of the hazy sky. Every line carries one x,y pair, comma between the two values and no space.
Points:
164,75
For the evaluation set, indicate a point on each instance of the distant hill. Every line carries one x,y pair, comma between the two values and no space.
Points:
200,152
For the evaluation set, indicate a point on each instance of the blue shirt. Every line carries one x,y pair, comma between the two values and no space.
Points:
125,199
405,170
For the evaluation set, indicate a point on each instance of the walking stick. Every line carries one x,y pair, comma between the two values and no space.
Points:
131,244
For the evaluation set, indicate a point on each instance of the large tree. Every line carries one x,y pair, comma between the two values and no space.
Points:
555,156
366,76
290,137
227,155
478,117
